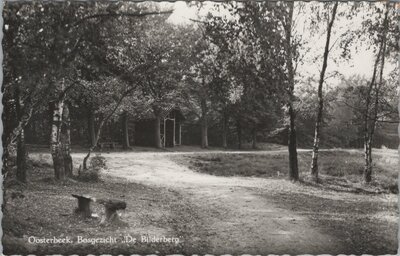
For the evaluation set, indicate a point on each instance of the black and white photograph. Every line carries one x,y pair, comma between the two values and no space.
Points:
200,128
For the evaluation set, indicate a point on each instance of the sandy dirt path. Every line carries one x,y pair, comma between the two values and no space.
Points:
236,218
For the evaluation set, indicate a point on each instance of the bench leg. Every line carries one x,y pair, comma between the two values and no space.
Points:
84,208
111,218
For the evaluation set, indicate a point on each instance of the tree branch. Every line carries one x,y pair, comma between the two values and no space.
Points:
120,14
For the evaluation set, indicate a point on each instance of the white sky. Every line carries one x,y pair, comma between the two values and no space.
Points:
361,62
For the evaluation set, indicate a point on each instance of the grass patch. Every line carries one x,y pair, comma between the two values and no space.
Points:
340,168
358,224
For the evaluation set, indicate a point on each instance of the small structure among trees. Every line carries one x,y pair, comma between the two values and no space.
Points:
168,123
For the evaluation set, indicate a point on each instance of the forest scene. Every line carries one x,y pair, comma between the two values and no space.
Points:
200,127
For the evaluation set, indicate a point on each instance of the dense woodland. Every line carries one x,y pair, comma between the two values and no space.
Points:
75,72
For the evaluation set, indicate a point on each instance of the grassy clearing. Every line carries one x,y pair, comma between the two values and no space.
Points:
340,170
44,208
365,225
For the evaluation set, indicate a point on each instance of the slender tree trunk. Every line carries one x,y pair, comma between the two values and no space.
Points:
98,134
66,141
292,138
224,130
125,131
368,161
91,128
157,125
292,146
317,135
254,137
204,124
369,125
56,148
367,134
103,121
157,132
239,133
21,157
204,133
96,139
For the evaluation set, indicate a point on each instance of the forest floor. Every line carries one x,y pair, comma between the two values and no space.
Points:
217,202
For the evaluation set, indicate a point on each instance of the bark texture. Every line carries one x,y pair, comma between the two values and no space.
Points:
157,132
66,141
318,123
56,147
292,136
372,105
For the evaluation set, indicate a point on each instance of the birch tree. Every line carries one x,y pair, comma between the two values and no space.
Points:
317,135
382,37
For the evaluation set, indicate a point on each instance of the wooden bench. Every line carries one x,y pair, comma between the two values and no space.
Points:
110,144
111,207
84,205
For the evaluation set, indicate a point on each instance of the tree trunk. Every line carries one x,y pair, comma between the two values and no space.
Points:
239,133
224,130
103,121
367,129
96,139
292,146
318,123
292,136
204,124
125,131
254,137
21,157
157,132
91,128
55,140
66,141
369,125
368,161
204,133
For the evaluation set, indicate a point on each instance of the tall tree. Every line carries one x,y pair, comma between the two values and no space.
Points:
289,44
317,135
372,102
253,60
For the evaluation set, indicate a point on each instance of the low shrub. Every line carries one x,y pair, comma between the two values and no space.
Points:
98,162
90,175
